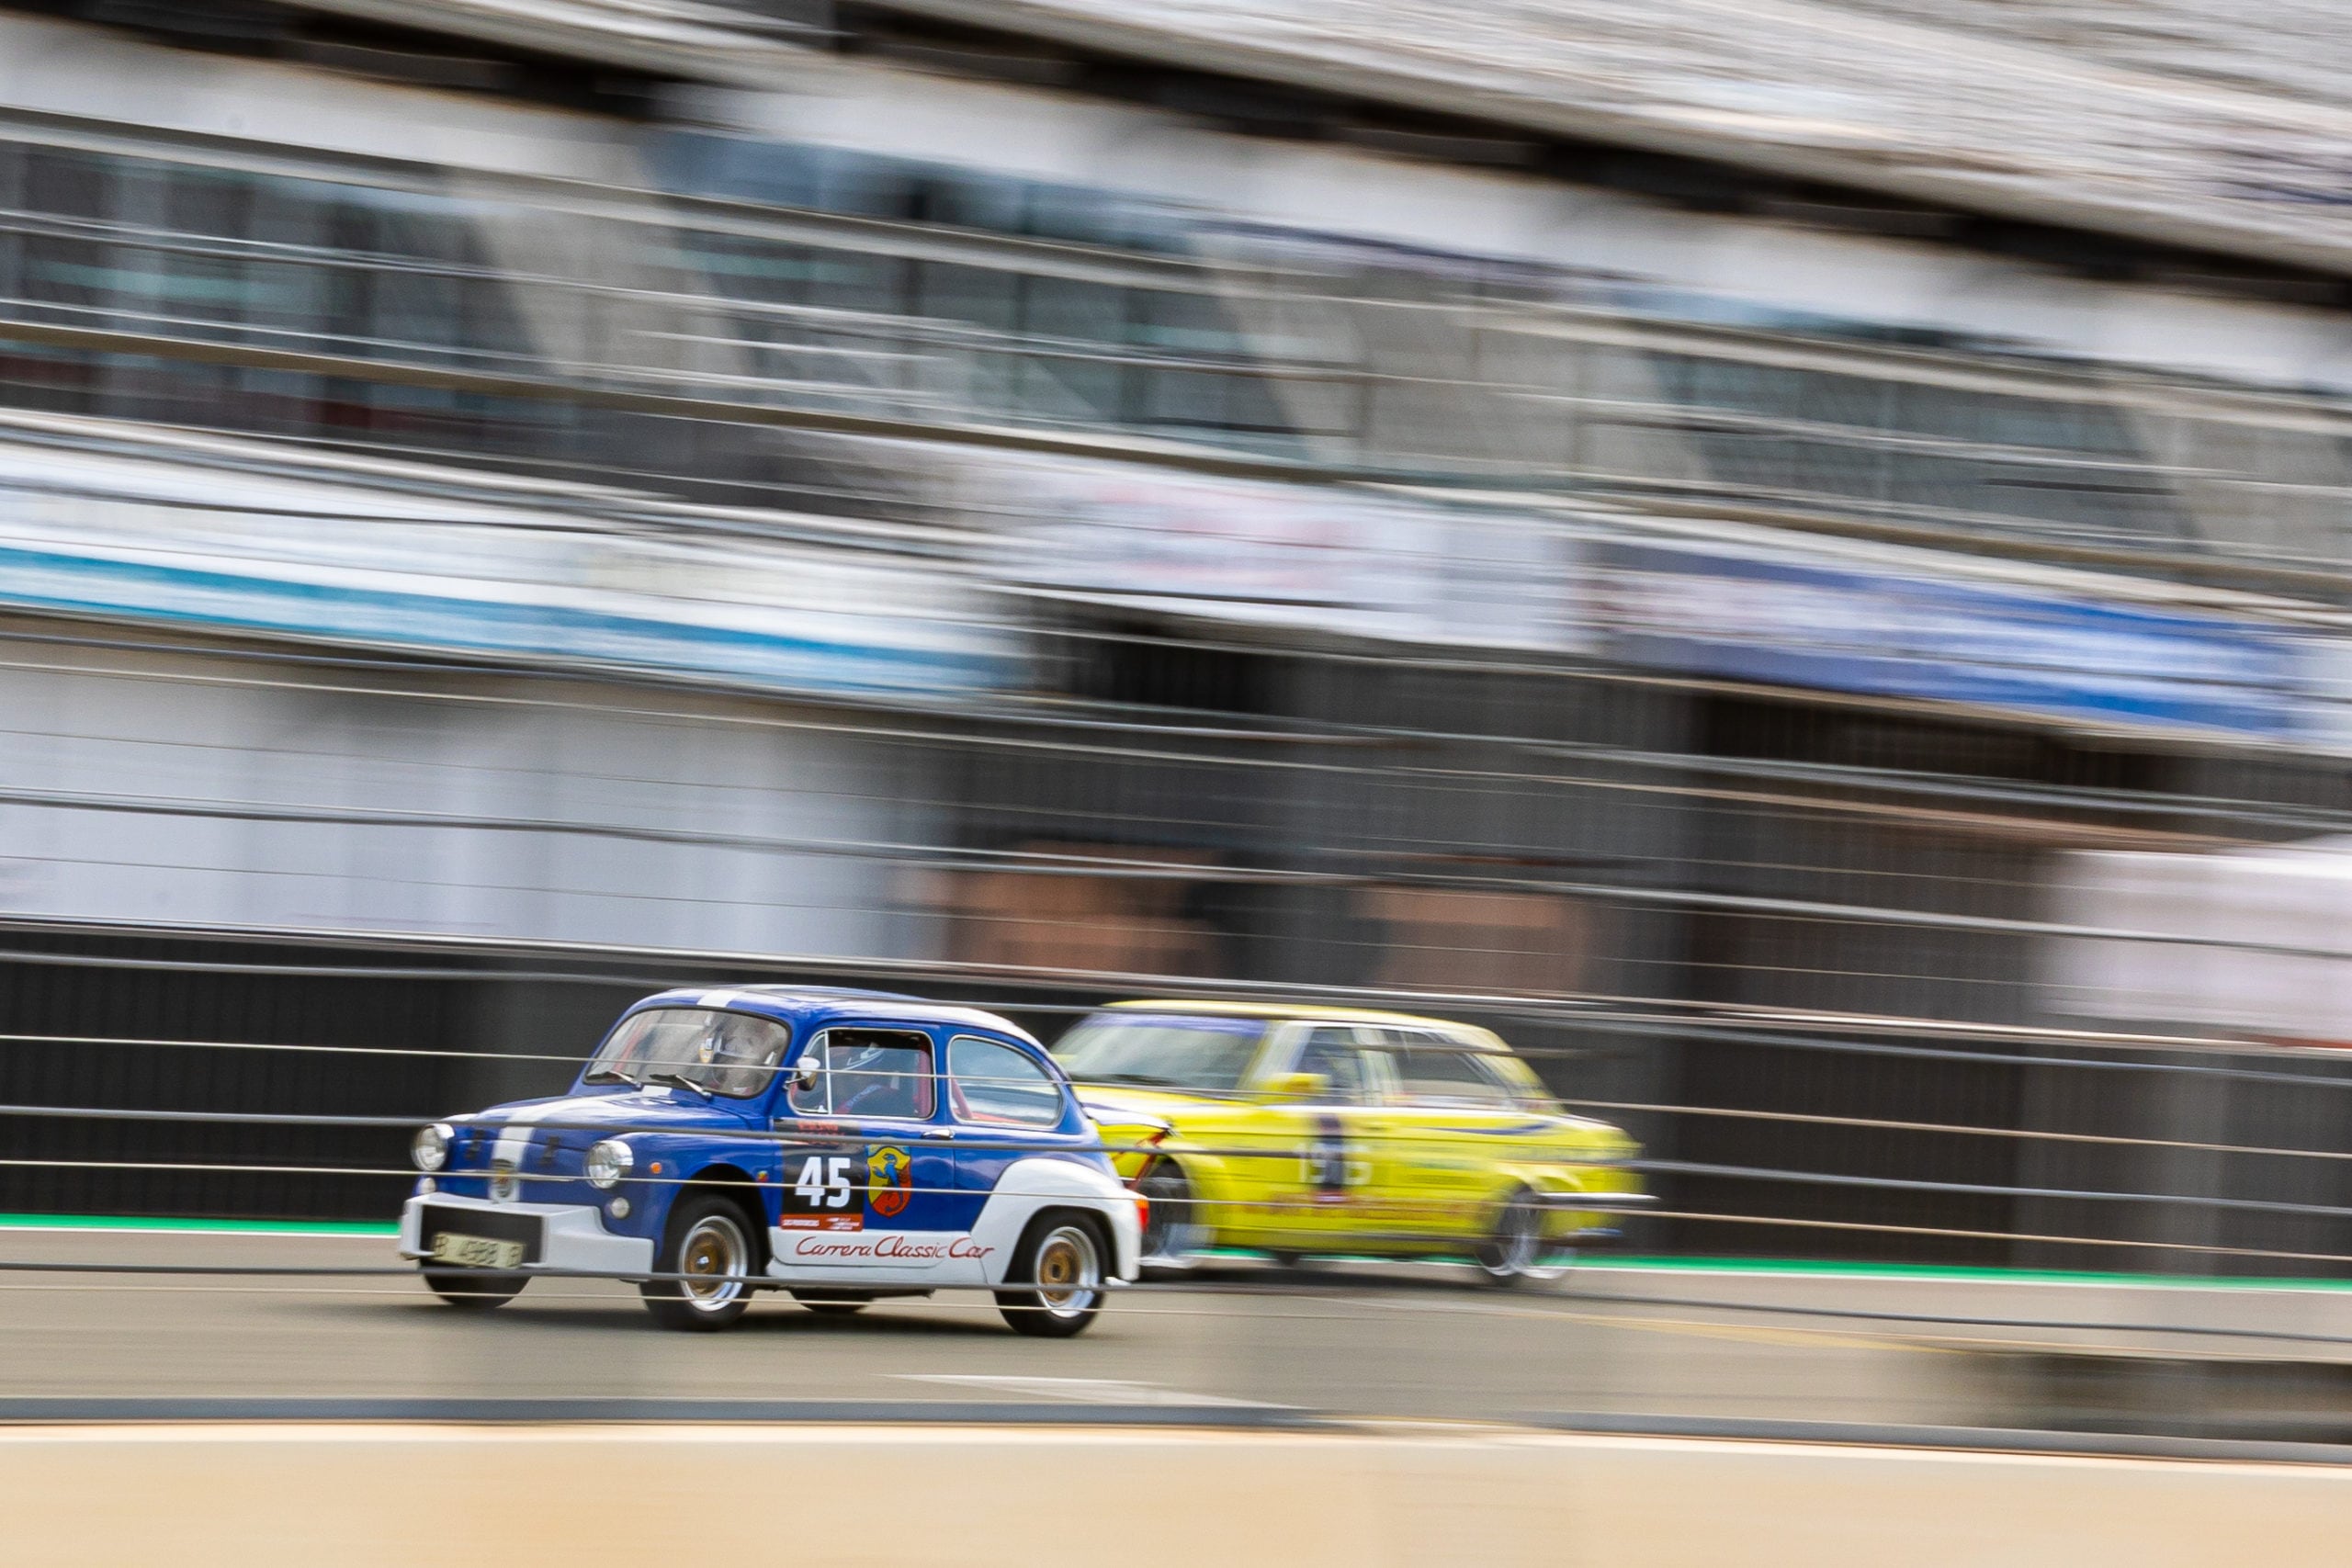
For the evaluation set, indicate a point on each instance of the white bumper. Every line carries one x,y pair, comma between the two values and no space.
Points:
572,1236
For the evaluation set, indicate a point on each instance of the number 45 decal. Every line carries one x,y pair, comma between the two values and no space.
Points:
823,1182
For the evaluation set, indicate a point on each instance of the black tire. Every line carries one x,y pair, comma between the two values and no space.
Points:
1173,1234
833,1303
711,1236
1512,1253
471,1289
1057,1273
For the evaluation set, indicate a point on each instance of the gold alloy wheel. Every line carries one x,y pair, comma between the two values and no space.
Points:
1068,1272
713,1258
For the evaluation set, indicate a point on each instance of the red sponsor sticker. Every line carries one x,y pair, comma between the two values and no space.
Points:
822,1223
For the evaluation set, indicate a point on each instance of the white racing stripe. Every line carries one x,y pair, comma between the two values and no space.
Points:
514,1134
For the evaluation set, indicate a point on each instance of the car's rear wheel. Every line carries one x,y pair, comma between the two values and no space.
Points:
1173,1238
1513,1252
707,1247
833,1303
1057,1272
473,1290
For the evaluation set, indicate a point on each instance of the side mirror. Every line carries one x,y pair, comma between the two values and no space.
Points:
1299,1086
804,1075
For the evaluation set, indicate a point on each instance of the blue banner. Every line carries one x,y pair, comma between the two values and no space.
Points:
1791,623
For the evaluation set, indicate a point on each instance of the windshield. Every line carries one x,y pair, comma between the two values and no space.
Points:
732,1054
1161,1050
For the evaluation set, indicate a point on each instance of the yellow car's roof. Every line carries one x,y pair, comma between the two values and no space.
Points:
1289,1010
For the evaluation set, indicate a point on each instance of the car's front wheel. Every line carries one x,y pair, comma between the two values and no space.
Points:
708,1251
1513,1251
1056,1277
472,1289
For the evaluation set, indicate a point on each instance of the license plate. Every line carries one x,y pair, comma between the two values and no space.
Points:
475,1251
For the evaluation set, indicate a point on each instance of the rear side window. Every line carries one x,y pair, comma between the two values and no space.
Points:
1435,1075
994,1083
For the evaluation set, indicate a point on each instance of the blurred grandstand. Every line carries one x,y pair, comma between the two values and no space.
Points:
1663,531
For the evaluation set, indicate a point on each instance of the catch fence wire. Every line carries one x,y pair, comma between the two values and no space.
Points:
1290,837
1275,749
971,1139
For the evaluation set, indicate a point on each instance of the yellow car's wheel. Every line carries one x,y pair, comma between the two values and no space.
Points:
1513,1251
1173,1238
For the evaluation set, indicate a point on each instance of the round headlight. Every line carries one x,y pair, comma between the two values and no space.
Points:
608,1162
430,1148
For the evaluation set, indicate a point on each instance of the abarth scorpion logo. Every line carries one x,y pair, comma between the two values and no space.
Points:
889,1180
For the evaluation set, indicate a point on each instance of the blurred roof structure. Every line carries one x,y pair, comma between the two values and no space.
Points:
2296,49
1989,108
741,44
2218,125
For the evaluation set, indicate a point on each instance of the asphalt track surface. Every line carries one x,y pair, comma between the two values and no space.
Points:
1360,1341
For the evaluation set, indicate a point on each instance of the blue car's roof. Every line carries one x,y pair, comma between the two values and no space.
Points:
808,1007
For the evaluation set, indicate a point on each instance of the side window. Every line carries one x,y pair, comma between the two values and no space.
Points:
1439,1074
1333,1053
871,1072
994,1083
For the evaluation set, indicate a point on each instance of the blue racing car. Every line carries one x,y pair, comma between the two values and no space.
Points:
843,1146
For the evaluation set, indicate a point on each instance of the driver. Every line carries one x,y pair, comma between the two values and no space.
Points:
739,1047
873,1080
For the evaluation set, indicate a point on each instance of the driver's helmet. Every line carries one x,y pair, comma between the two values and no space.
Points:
738,1039
873,1078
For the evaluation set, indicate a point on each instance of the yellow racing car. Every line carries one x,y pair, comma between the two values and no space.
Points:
1295,1131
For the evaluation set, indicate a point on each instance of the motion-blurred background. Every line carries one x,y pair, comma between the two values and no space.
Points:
1789,556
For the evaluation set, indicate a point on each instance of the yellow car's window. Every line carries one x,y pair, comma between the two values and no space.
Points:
1434,1076
1204,1052
1334,1055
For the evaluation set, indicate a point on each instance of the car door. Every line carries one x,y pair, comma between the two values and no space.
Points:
1006,1106
870,1186
1449,1125
1318,1185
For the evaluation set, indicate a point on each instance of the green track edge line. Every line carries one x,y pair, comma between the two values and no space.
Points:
1949,1273
1956,1273
212,1227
